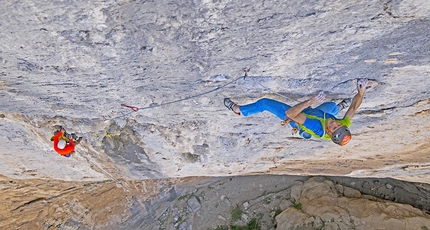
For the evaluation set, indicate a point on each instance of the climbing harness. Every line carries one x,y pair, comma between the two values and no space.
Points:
294,131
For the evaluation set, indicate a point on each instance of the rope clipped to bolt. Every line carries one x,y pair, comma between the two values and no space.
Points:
136,109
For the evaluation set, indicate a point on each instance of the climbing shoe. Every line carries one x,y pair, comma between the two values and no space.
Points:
230,105
74,136
78,140
344,104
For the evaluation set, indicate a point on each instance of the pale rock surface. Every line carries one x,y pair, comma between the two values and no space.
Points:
74,63
322,206
193,204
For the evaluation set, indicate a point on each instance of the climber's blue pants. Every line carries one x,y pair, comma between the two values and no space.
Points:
279,108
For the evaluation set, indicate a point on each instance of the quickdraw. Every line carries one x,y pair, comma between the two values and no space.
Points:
294,131
134,108
286,122
246,71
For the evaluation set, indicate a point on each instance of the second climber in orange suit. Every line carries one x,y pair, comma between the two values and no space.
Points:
64,143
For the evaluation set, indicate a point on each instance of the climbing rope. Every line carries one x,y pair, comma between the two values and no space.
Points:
75,122
136,109
245,70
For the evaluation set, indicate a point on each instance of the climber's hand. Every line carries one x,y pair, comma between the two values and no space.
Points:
318,98
361,85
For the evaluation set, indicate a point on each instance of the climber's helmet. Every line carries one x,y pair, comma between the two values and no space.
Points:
61,144
341,136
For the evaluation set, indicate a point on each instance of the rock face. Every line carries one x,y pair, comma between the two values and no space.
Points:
51,204
289,202
259,202
323,206
74,63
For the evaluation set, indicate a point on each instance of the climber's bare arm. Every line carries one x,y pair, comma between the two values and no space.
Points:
358,98
295,112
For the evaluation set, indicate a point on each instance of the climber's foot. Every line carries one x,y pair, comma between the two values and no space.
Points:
231,105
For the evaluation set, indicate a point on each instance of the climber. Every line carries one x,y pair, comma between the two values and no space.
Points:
64,143
319,122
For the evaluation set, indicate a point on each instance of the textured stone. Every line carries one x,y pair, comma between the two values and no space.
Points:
73,64
285,204
220,217
339,188
244,218
351,193
296,191
193,204
245,205
321,206
184,226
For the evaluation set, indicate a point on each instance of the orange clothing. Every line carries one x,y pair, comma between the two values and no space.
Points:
70,147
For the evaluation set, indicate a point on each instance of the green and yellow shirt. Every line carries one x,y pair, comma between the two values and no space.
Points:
316,121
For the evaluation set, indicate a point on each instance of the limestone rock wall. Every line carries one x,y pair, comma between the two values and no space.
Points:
73,63
326,205
293,202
